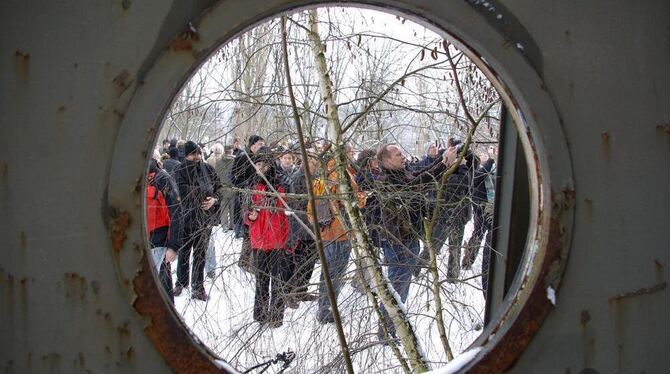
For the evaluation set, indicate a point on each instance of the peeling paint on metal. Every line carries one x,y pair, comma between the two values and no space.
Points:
119,224
185,40
166,330
640,292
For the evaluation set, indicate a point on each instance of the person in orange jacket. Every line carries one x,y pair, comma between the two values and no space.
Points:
336,238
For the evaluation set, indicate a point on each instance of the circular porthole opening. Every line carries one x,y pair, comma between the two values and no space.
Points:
360,142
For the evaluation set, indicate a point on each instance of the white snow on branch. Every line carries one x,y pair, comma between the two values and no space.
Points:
457,363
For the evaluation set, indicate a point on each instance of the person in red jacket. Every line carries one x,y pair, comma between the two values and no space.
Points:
268,234
162,224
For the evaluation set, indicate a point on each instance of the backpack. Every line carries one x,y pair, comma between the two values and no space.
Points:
158,214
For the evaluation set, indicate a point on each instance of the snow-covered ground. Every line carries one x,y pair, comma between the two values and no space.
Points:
225,324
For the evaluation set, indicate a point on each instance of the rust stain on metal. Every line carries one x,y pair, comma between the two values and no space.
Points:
118,113
137,187
61,108
534,311
584,317
23,56
119,225
75,286
640,292
605,136
123,330
568,196
125,4
122,82
21,63
663,129
185,40
166,331
130,353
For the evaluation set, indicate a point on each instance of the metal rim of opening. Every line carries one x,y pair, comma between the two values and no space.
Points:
471,29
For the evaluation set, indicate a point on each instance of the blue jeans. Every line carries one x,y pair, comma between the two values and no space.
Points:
210,257
400,260
337,258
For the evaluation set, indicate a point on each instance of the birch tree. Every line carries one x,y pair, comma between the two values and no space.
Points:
335,75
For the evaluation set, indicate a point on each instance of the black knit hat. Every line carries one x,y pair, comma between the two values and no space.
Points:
190,147
253,139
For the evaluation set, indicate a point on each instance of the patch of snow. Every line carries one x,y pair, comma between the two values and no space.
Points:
225,323
551,295
225,366
458,362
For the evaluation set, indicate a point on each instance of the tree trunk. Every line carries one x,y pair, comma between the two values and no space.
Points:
392,304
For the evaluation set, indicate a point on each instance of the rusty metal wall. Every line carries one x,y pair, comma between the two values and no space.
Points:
77,76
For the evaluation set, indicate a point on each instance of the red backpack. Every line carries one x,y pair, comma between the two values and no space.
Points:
158,214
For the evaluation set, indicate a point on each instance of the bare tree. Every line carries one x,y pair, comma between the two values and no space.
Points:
339,76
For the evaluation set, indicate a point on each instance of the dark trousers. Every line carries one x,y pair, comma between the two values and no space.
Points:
198,239
450,227
165,277
482,225
302,266
337,257
400,260
237,219
246,261
272,273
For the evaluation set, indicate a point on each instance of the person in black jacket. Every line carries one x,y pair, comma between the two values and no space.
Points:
366,178
300,239
481,213
453,216
171,163
403,206
200,190
432,154
241,176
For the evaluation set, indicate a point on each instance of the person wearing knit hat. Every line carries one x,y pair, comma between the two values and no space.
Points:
190,147
201,194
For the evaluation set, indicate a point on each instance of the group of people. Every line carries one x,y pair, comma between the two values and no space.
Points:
262,194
